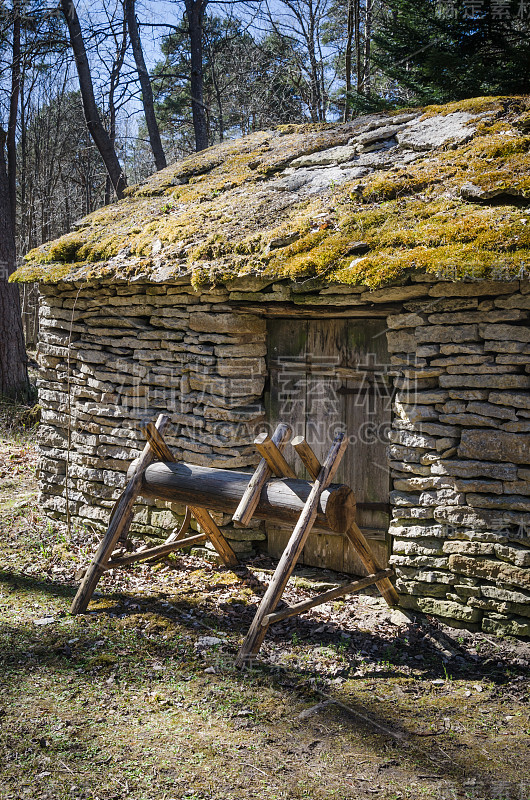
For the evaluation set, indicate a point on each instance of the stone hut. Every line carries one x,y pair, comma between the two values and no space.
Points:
372,276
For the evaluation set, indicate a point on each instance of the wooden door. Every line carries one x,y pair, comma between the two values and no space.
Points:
328,375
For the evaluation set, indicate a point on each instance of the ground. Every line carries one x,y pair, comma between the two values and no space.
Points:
139,698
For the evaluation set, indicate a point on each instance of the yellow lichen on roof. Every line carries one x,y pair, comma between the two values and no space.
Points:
366,203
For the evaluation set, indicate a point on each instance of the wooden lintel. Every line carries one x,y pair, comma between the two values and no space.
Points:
339,591
288,311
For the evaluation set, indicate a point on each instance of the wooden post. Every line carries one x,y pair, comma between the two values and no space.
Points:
287,563
353,532
332,594
250,499
227,555
309,459
274,458
362,548
118,526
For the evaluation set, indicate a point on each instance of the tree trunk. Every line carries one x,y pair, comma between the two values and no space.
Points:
349,50
367,76
93,120
357,36
195,12
145,84
13,361
13,113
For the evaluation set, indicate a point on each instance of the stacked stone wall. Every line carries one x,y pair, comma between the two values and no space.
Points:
112,358
460,453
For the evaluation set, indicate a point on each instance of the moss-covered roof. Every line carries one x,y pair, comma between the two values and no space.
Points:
444,190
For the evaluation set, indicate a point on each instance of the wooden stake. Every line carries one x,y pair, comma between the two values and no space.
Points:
339,591
287,563
155,552
353,532
277,463
227,555
362,548
309,459
118,526
176,535
250,499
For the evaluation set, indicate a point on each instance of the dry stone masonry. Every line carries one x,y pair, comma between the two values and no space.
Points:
113,356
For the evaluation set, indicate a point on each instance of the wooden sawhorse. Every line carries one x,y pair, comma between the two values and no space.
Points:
284,499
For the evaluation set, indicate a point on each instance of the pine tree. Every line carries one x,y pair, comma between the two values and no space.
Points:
439,51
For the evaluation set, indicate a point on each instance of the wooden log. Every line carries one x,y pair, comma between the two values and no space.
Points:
156,552
332,594
287,563
118,526
249,501
274,458
227,555
280,500
309,459
362,548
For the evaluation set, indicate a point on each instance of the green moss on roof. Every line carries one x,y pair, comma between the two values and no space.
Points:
459,210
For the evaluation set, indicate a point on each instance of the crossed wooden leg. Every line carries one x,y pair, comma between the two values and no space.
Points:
122,516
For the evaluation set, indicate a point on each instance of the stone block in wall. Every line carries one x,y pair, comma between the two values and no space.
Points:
517,487
497,445
418,561
498,522
515,301
502,381
471,548
409,468
511,333
516,399
512,502
448,609
447,333
514,553
421,589
473,289
477,485
417,547
227,323
414,413
490,570
502,626
463,591
397,342
491,410
472,469
501,594
407,454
